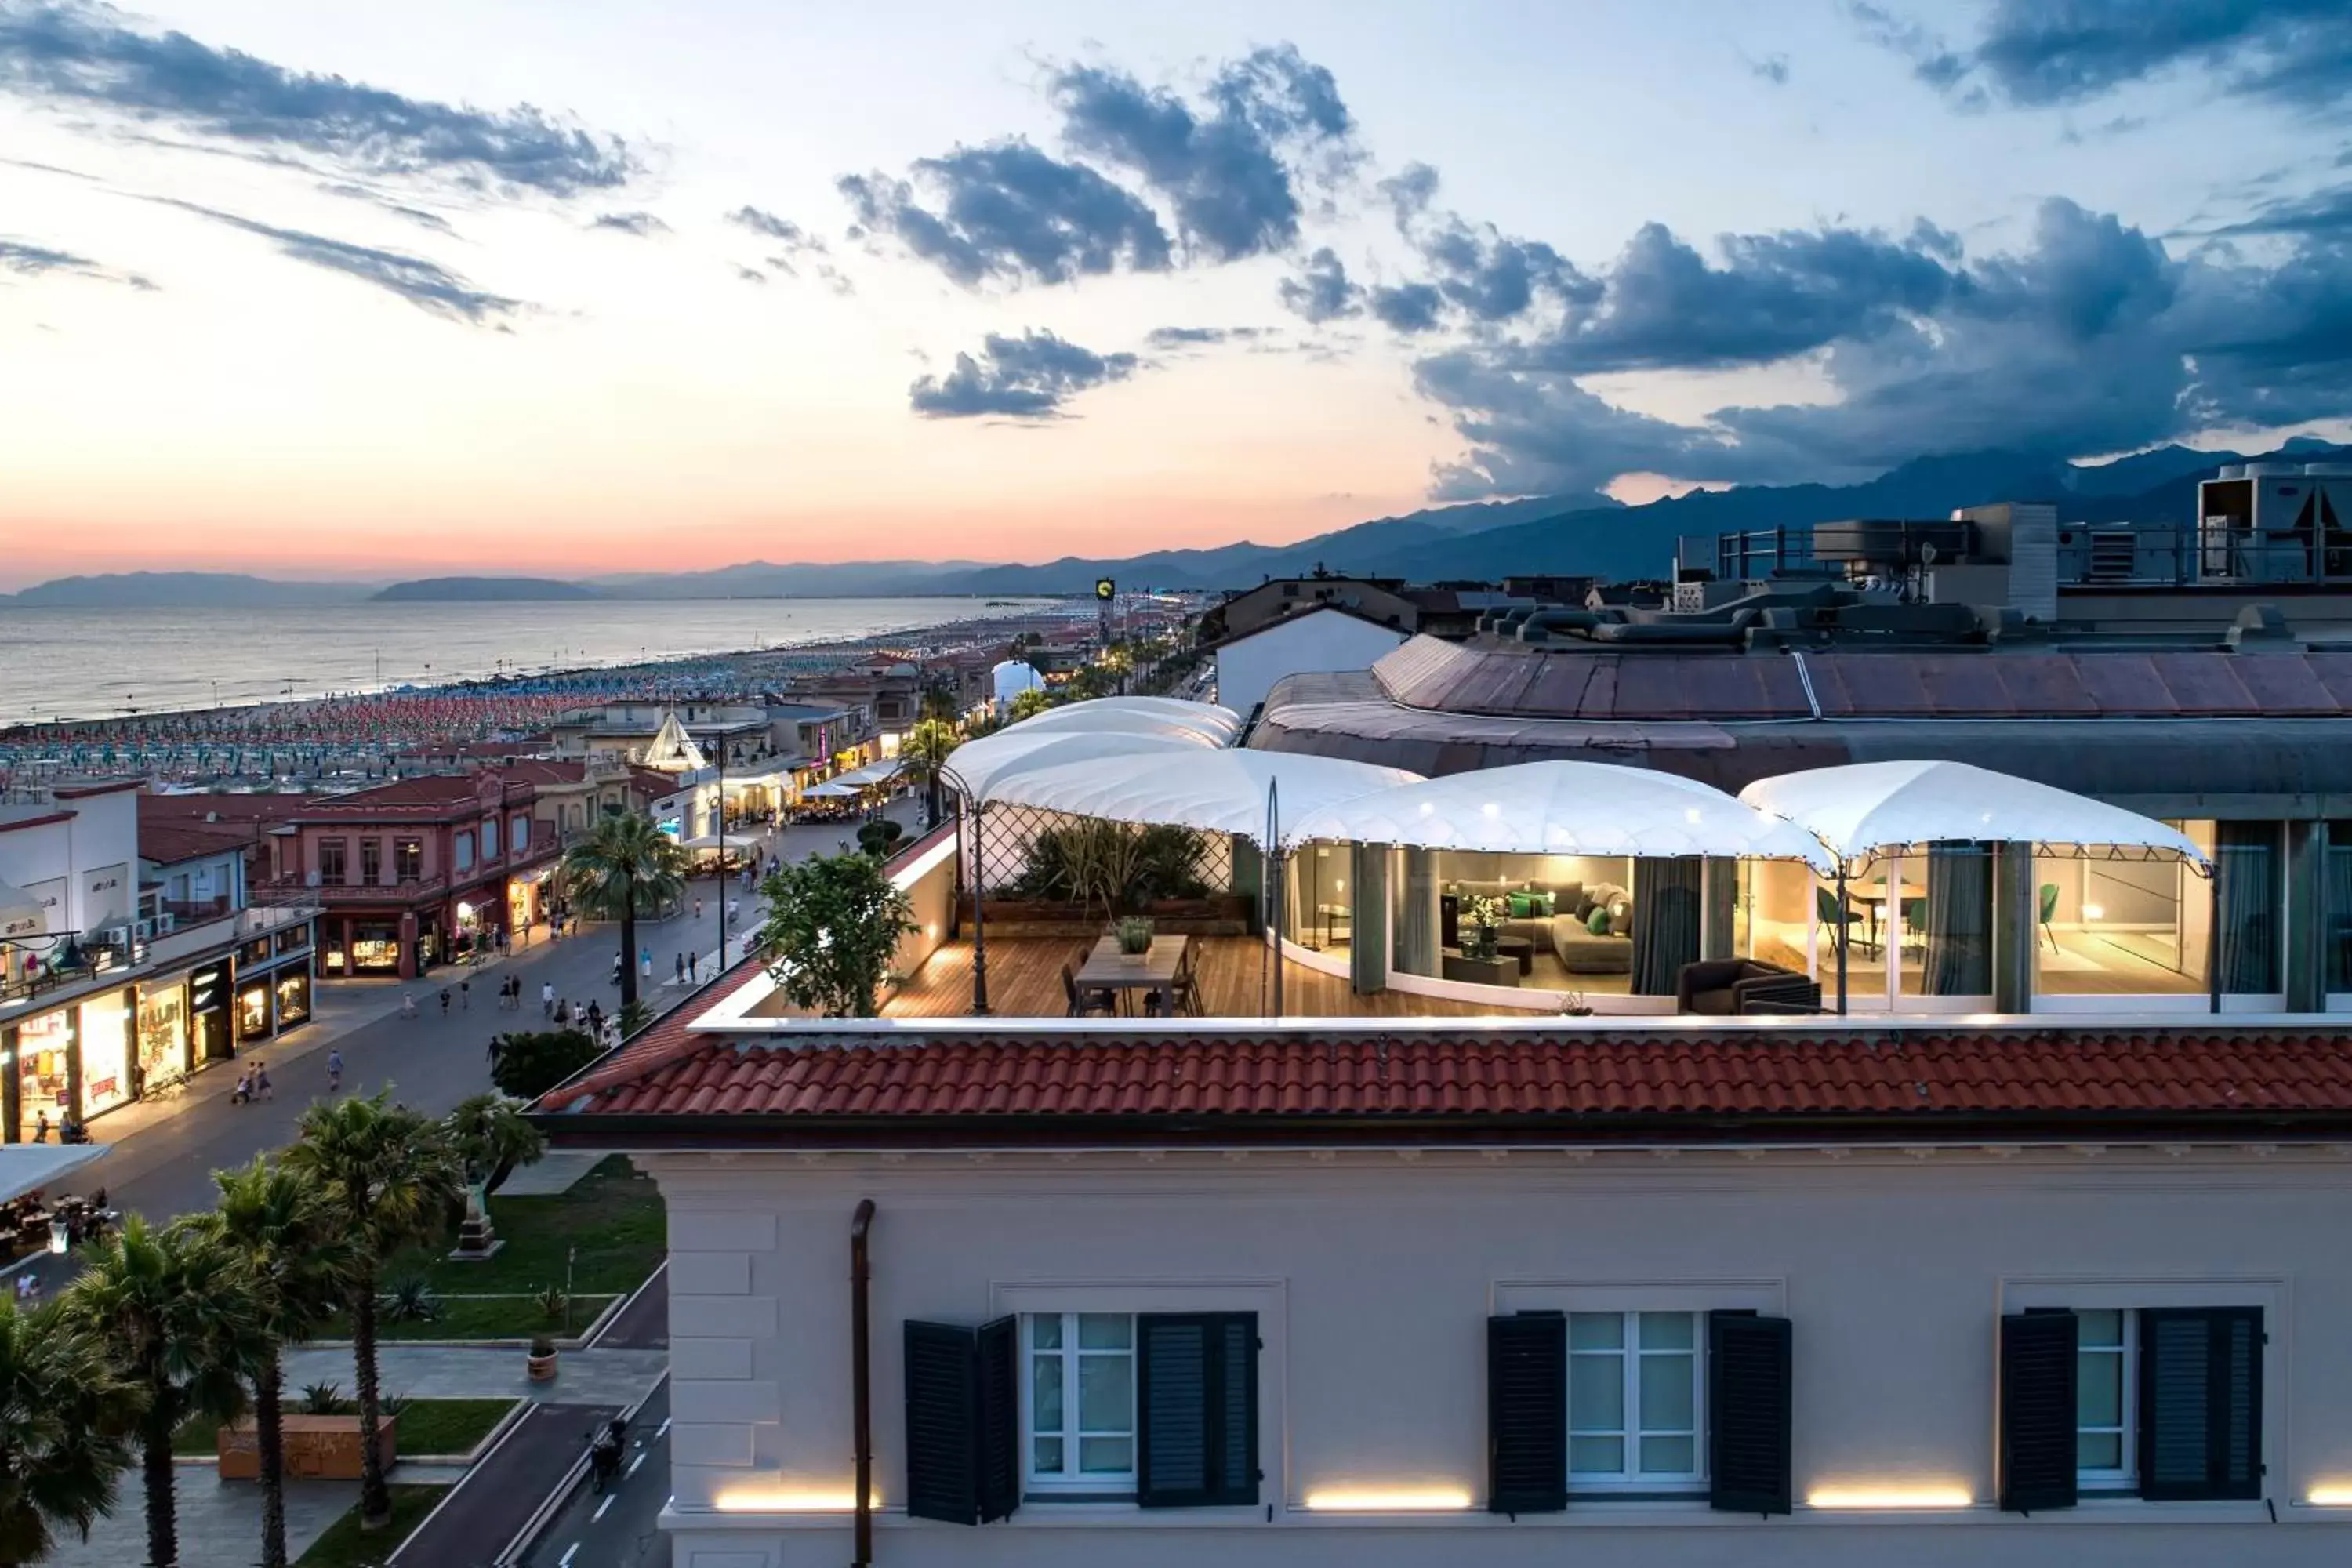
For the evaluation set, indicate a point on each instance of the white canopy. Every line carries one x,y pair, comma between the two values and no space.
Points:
872,773
975,767
719,841
30,1167
833,789
1223,791
1112,714
1567,808
1864,808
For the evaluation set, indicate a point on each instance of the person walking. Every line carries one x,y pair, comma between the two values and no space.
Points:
617,961
334,1071
261,1082
595,1018
698,909
563,1012
678,963
444,1001
547,998
497,1043
408,1004
466,994
691,977
41,1128
734,911
646,964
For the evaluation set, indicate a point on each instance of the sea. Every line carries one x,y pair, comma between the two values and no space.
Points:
108,663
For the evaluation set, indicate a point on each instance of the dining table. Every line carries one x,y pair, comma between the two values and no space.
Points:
1874,897
1126,975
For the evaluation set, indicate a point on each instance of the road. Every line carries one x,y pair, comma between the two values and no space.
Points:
621,1529
487,1508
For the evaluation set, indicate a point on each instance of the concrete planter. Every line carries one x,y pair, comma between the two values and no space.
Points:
322,1447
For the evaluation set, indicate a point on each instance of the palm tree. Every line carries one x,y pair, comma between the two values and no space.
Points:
65,1423
624,864
389,1180
491,1136
926,749
165,1307
292,1263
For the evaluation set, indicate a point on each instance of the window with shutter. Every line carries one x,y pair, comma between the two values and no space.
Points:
1196,1409
960,1422
1526,1412
2038,1453
2199,1389
1749,1380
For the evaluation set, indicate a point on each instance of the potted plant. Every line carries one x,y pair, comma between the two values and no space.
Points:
1134,936
1482,924
542,1363
1575,1007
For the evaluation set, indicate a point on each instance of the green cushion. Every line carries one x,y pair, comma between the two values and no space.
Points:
1597,922
1521,905
1542,904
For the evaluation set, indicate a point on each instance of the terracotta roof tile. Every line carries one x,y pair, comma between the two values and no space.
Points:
1231,1070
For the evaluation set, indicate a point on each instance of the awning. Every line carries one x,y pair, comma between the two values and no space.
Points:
833,789
872,773
1222,791
1867,808
719,841
20,913
28,1167
1567,808
974,768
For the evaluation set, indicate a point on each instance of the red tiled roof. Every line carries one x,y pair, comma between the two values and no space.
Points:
170,842
1594,1077
221,805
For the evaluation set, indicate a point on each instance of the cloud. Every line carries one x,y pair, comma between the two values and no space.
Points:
1321,291
424,284
2091,337
417,215
1409,192
1198,337
1231,167
2325,213
28,260
1413,308
639,225
775,227
1773,69
81,55
1027,377
2040,53
749,274
1010,212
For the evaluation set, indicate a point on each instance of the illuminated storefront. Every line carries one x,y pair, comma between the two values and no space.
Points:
43,1045
105,1053
211,1038
375,947
162,1032
292,990
252,1012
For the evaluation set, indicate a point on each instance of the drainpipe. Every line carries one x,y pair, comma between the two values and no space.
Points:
861,1382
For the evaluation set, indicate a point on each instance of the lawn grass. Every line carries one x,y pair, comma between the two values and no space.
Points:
613,1215
345,1546
483,1318
426,1426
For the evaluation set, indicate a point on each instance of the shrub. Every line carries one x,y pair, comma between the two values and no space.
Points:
411,1300
325,1399
529,1064
540,1345
553,1303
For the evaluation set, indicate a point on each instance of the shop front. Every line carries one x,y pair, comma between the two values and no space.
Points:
211,1033
43,1081
530,897
375,947
106,1047
162,1032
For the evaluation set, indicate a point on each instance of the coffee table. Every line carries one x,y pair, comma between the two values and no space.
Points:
1521,948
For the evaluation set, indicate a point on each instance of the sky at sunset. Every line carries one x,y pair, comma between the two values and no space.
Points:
560,289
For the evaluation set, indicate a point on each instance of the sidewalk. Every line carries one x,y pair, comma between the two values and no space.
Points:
490,1371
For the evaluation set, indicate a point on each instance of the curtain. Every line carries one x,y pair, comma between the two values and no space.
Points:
1959,937
2338,919
1417,922
1666,922
2246,870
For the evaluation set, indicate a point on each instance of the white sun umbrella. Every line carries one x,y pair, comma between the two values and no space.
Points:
1222,791
1567,808
833,789
1866,808
973,768
1109,714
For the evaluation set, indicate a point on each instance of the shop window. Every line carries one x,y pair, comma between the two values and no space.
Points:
162,1033
521,834
294,938
253,1011
293,997
408,859
370,862
2121,925
462,858
490,839
42,1043
255,952
332,871
375,948
105,1053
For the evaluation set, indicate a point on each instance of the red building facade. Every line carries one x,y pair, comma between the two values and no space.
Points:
417,873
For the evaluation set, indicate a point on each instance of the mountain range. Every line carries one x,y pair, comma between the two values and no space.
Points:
1581,535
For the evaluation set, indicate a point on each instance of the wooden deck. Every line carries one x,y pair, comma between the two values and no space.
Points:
1024,981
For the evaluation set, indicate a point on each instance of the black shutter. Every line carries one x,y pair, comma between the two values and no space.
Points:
1526,1412
943,1423
1749,1375
999,1407
963,1420
2201,1403
1196,1409
2038,1393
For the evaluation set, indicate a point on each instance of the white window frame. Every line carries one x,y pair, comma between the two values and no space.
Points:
2130,1296
1070,1354
1631,1476
1268,1300
2125,1475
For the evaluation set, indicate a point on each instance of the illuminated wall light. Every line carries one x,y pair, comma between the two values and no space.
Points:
2095,912
2333,1494
1381,1499
790,1499
1894,1497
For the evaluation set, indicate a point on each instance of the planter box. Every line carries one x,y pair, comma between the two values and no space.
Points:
324,1447
1226,915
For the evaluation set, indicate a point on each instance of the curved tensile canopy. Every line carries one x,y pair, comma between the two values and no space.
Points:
1221,791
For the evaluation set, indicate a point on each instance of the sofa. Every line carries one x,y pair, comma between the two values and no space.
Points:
1727,987
1567,931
